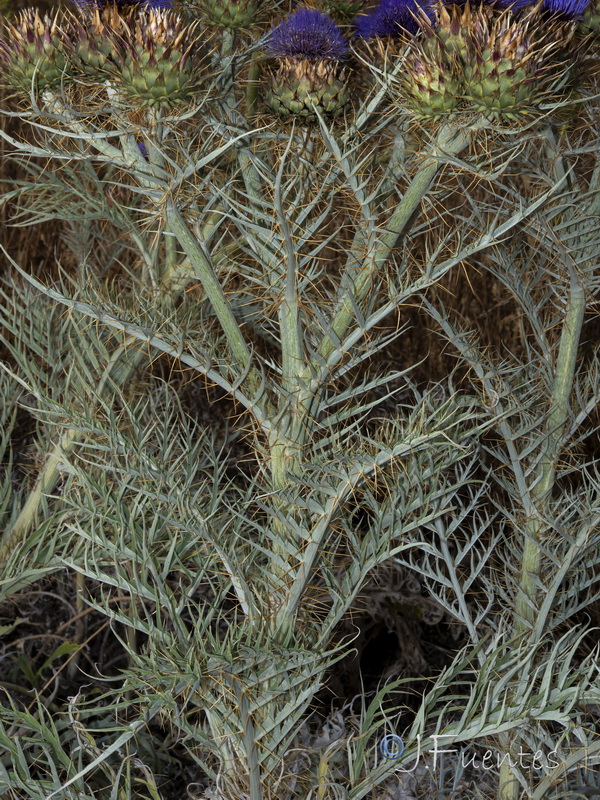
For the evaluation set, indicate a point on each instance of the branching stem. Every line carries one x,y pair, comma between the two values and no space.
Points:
450,141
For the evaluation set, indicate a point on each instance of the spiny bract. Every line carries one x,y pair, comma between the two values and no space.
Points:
158,60
514,63
231,15
92,47
300,87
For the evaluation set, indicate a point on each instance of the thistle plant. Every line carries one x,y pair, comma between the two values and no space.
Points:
267,214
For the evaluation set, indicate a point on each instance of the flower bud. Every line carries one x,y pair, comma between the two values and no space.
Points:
32,49
487,60
432,87
92,46
516,63
158,60
301,86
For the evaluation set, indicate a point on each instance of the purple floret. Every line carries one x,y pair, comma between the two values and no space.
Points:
568,9
392,18
308,34
145,4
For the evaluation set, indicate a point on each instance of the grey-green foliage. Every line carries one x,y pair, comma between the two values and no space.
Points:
269,262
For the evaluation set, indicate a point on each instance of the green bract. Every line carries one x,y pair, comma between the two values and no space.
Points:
514,63
301,87
431,86
92,46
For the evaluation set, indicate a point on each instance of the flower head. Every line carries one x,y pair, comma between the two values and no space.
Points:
392,18
310,35
159,60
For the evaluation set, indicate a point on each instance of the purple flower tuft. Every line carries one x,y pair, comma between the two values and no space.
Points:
392,18
308,34
515,5
144,4
567,9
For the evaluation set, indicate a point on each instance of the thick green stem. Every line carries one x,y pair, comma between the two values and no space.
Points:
252,84
529,595
203,268
527,600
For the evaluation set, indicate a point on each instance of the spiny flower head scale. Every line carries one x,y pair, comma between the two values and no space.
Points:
30,27
230,15
310,35
160,35
300,87
392,18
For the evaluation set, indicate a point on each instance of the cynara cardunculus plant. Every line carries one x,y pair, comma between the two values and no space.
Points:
299,410
308,47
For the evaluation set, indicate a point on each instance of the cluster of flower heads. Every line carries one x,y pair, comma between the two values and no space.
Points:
311,34
147,49
497,58
392,18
